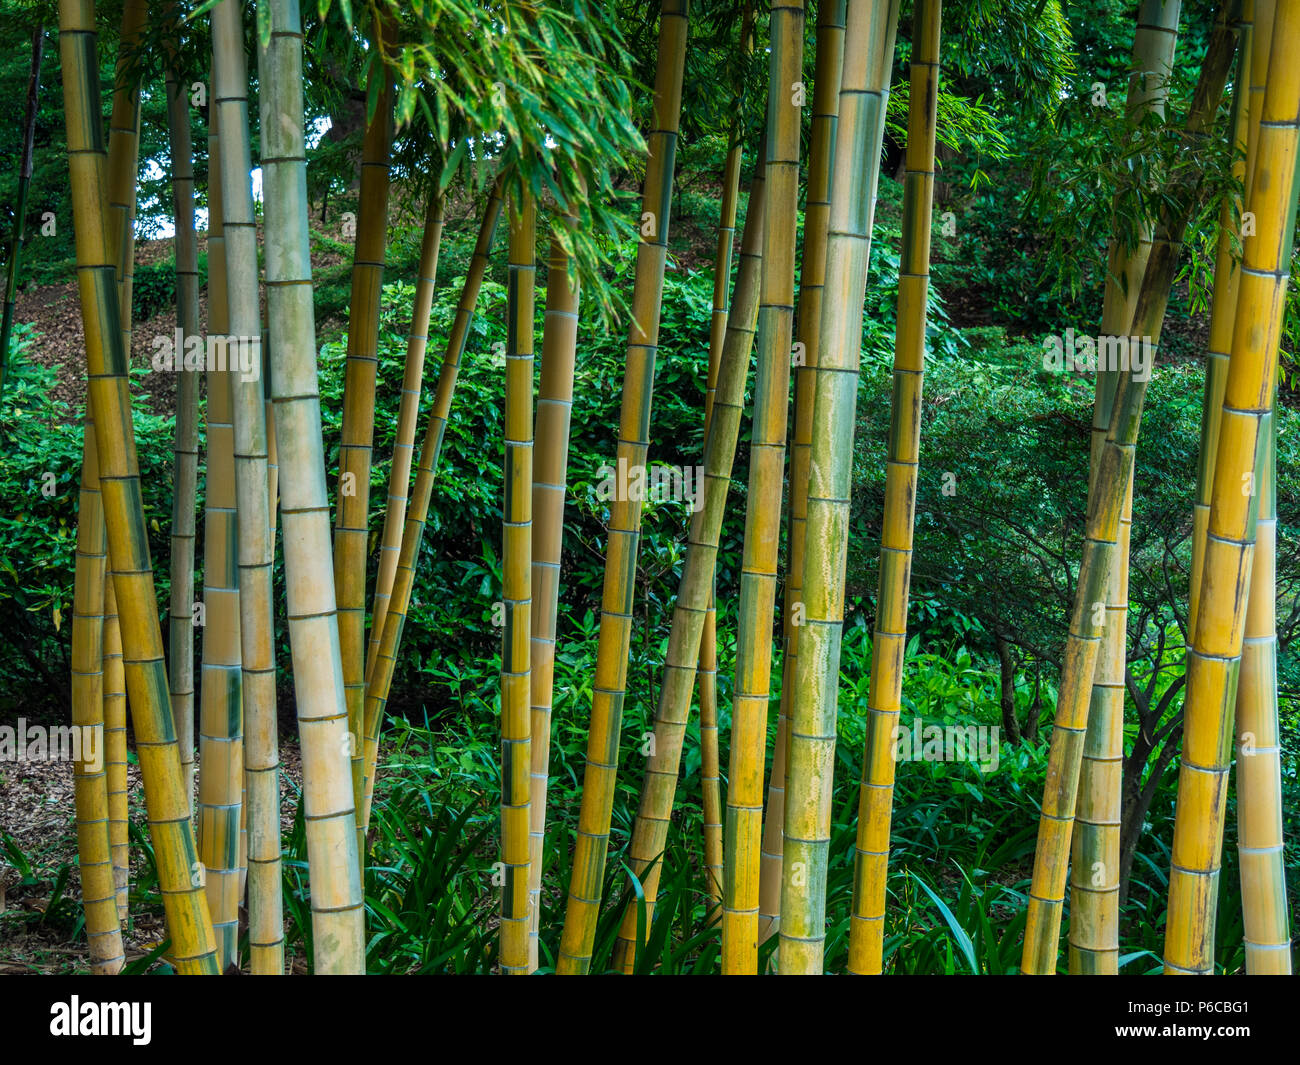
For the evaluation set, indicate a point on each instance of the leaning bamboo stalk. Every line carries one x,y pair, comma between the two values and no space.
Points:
1094,869
261,780
517,589
90,791
743,838
609,685
550,473
221,725
1110,487
188,922
352,505
864,94
812,275
1243,450
20,206
180,644
338,913
884,696
399,479
115,753
380,680
710,778
696,584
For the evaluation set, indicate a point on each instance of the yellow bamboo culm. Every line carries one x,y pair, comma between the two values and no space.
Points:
884,697
188,921
743,835
1095,853
550,472
812,282
609,685
864,96
1244,432
516,588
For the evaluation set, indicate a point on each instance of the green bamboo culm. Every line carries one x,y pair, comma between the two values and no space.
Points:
517,589
352,505
380,679
695,588
1095,854
812,278
185,465
609,684
1110,487
743,832
20,207
864,96
338,913
1243,454
188,922
889,643
255,546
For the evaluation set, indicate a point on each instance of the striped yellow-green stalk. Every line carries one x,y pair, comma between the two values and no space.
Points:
517,588
1095,863
180,644
743,835
179,873
352,505
550,472
115,752
864,93
254,553
90,790
710,781
381,677
1213,660
399,480
884,696
812,273
1101,542
696,584
609,684
221,727
338,914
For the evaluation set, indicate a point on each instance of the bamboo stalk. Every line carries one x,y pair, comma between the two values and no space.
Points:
338,914
188,922
1094,877
221,715
610,682
261,780
710,779
812,278
864,93
115,753
884,696
399,480
550,473
757,607
1110,487
352,505
695,586
180,644
517,590
381,678
1214,658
